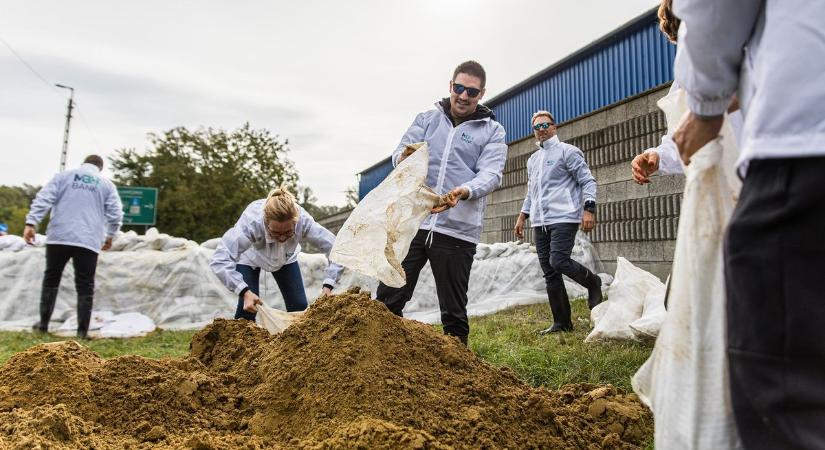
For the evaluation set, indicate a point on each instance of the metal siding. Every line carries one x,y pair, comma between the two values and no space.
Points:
373,177
628,65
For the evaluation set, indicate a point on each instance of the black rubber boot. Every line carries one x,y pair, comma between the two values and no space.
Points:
592,282
594,290
48,297
560,307
84,315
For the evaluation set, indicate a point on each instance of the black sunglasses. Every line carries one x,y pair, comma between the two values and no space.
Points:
542,126
471,92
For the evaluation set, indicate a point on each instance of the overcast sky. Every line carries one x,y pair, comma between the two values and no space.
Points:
341,80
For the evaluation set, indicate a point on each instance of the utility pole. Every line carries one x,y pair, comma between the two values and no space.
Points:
66,131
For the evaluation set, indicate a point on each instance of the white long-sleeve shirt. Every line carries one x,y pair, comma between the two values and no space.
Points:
773,53
249,243
85,206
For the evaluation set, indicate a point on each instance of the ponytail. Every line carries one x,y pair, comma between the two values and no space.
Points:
281,206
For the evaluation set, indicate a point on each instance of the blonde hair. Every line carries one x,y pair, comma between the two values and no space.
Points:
542,113
280,206
668,23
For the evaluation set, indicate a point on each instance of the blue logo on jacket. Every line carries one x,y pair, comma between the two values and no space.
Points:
551,162
466,138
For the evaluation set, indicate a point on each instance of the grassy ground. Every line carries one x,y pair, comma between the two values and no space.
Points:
506,338
509,339
156,345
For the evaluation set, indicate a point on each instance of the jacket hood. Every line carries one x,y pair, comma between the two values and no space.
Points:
481,112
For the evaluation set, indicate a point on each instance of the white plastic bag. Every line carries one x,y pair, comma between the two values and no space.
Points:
275,320
625,302
685,380
647,327
377,235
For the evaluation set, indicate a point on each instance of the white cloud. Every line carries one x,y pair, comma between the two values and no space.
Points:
340,80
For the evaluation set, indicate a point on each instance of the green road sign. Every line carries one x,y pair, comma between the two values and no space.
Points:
140,205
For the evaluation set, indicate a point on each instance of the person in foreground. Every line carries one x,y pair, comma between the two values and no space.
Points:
268,236
561,197
772,55
86,213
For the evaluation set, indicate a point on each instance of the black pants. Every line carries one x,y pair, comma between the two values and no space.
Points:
774,253
450,260
83,260
554,245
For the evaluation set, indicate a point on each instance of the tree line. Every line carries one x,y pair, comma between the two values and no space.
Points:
205,178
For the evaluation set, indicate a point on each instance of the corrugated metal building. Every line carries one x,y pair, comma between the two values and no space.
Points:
604,98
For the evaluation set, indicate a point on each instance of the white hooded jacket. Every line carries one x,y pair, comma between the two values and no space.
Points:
471,154
249,243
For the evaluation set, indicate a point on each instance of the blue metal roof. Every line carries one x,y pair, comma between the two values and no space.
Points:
630,60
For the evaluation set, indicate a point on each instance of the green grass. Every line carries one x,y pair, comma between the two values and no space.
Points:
509,339
157,344
506,339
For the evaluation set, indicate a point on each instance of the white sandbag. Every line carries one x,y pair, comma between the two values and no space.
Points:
106,324
685,380
647,327
124,240
625,303
482,251
274,320
174,243
12,243
376,237
211,244
497,249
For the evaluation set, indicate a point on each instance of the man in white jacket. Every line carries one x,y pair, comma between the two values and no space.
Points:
561,196
86,213
467,156
771,53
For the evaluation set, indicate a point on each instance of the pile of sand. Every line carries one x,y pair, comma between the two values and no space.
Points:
348,375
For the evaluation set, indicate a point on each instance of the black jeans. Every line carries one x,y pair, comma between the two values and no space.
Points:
83,260
774,252
450,260
554,245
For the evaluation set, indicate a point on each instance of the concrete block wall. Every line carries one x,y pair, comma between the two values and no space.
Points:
633,221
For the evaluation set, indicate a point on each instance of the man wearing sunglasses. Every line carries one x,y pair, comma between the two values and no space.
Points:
561,196
467,155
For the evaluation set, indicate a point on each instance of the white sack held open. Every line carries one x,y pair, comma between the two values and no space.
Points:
377,235
685,380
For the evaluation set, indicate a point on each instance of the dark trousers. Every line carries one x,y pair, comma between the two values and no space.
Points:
289,282
83,260
774,253
450,260
554,245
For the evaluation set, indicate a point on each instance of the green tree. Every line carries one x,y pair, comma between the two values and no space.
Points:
14,205
205,178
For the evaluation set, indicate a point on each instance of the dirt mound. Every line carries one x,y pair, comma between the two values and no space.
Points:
348,375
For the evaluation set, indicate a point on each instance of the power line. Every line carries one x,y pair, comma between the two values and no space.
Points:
29,66
52,89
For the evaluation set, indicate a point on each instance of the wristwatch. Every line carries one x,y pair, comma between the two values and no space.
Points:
590,206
